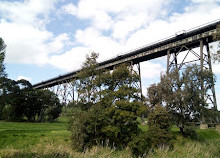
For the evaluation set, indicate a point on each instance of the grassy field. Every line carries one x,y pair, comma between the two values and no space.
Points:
52,140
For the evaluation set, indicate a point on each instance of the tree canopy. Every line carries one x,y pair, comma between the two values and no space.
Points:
2,57
107,107
182,94
19,100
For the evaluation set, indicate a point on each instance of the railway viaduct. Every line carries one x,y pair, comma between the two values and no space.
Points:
187,44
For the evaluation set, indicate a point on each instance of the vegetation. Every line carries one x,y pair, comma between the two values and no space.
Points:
2,57
181,93
19,102
159,131
216,55
105,119
19,139
107,107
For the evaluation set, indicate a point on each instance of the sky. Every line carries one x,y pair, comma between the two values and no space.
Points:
47,38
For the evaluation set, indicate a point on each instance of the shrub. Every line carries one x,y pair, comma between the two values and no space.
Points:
140,145
78,129
190,132
159,127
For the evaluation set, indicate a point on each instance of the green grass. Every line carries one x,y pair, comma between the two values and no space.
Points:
16,137
22,135
19,139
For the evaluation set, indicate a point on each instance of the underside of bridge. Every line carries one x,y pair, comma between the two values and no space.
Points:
201,58
191,47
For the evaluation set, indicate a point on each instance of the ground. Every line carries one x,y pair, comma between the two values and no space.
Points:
25,139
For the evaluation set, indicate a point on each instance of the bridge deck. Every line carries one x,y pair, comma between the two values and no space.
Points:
190,39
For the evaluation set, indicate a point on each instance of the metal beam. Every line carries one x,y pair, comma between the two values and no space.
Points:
190,39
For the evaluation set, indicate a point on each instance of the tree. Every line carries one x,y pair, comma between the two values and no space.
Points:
10,100
2,68
160,127
216,56
87,82
2,74
86,121
2,57
154,95
41,105
110,103
183,96
123,103
19,100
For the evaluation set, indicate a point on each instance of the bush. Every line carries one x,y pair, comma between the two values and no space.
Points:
78,129
190,132
159,127
53,112
109,103
140,145
8,112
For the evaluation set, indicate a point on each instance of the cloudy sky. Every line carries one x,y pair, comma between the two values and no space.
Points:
46,38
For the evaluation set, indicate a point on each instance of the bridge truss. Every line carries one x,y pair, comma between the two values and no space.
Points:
182,49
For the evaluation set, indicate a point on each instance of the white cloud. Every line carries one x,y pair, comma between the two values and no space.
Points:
151,70
58,43
95,41
116,26
70,9
23,28
204,1
27,12
218,100
23,77
25,44
216,68
128,24
118,15
70,60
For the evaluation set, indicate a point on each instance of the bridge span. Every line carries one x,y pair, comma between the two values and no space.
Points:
171,47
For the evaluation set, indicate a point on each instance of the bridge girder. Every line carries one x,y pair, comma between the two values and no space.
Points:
201,58
172,47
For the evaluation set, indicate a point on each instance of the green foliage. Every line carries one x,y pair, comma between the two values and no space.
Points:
190,132
87,81
41,105
10,100
212,115
111,104
2,57
216,55
19,100
181,93
140,145
154,95
78,129
160,127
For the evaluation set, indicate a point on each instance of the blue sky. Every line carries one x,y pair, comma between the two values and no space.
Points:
46,38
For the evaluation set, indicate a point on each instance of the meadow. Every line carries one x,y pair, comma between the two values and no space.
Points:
24,139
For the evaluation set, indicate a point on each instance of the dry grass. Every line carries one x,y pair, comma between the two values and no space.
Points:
48,148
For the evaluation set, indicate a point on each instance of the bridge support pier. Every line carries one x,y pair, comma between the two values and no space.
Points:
180,58
136,68
64,91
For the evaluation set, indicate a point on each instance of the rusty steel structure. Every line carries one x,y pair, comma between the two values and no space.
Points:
187,44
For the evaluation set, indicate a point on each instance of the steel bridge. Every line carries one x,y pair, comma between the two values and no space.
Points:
184,44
